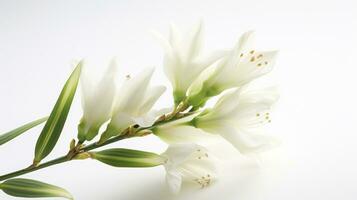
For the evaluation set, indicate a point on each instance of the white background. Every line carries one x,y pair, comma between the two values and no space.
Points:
316,72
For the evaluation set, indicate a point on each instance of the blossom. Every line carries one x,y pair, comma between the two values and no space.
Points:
97,102
188,162
239,116
242,65
134,104
184,59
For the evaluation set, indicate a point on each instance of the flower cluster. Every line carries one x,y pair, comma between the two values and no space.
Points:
102,102
238,116
113,112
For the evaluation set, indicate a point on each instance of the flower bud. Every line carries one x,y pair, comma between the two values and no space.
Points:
128,158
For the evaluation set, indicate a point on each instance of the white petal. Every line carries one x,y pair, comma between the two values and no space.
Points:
242,65
174,181
254,66
227,103
180,134
149,118
178,153
268,94
162,41
132,92
86,86
122,121
146,120
97,99
183,61
175,37
196,41
253,109
172,68
248,142
105,91
196,169
151,96
211,58
246,43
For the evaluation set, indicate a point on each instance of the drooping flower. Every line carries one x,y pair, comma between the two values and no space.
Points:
184,60
97,102
134,103
188,163
242,65
239,116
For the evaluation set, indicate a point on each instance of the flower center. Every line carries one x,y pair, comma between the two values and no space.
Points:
255,57
203,181
264,117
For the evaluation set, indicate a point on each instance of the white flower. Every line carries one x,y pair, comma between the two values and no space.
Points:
183,60
97,102
188,163
239,117
242,65
134,102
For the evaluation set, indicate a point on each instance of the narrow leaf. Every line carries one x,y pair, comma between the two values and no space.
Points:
128,158
54,125
18,131
28,188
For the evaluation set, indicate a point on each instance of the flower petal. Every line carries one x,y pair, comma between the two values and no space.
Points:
121,121
254,66
196,41
146,120
133,91
174,181
178,153
175,37
151,96
97,99
248,142
180,134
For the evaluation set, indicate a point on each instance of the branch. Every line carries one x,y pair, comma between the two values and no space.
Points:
95,145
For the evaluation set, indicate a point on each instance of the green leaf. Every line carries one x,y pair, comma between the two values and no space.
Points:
128,158
28,188
54,125
18,131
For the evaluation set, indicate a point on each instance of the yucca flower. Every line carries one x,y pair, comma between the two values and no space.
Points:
134,104
188,163
242,65
97,101
184,59
239,116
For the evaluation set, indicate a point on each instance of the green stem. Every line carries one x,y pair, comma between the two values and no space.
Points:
32,168
58,160
89,147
